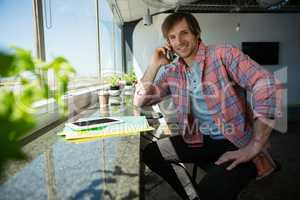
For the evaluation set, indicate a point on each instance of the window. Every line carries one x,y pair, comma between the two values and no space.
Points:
106,39
118,49
12,25
110,41
70,31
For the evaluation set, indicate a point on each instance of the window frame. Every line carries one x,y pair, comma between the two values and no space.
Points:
46,107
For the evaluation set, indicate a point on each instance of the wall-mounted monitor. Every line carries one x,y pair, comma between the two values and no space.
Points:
264,53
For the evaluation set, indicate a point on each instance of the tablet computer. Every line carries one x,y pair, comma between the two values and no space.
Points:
89,123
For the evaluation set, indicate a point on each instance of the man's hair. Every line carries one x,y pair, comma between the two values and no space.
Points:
174,18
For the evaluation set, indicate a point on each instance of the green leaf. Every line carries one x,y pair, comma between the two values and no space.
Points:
6,67
130,78
23,121
114,80
24,60
31,93
9,150
6,102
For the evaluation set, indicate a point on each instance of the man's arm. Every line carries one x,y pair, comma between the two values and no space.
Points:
262,131
146,92
263,88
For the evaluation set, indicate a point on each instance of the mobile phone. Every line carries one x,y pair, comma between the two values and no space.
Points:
89,123
171,55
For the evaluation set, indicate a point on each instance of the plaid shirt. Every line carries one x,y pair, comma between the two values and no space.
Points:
227,74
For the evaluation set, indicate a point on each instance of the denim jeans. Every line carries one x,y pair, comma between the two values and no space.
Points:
217,184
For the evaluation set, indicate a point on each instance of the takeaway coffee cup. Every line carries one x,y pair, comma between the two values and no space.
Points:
103,98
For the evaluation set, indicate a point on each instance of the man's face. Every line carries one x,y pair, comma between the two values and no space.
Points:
182,40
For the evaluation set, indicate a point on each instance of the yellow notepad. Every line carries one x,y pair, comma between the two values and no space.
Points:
82,140
131,125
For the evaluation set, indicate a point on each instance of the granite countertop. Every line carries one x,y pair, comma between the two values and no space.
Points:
101,169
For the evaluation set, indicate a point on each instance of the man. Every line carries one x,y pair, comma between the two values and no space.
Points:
219,132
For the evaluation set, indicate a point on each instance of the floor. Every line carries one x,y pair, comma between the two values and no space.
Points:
284,184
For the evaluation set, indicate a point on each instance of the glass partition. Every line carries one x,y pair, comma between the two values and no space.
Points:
70,31
16,22
110,40
118,49
16,29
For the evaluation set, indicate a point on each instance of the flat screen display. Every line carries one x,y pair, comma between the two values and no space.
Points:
264,53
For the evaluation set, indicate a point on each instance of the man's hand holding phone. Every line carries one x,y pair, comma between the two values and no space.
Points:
162,56
144,90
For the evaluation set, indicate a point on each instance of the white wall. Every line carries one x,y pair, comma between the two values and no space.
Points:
219,28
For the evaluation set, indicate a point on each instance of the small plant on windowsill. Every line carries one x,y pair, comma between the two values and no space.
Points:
114,83
16,107
114,90
130,79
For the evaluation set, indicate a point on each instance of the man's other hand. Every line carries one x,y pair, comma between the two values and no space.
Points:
239,156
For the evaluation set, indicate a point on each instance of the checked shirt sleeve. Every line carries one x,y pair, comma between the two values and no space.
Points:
158,89
160,82
264,88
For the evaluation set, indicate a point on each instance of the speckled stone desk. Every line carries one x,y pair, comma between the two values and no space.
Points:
102,169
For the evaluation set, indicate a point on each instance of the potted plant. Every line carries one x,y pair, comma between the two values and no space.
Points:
16,107
130,79
114,85
114,90
114,82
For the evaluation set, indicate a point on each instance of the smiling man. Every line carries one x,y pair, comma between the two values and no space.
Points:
218,130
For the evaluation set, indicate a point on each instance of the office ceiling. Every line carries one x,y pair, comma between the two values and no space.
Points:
131,10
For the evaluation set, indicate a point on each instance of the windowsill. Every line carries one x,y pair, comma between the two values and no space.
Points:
46,111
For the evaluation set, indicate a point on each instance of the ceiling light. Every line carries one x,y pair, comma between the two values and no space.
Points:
147,19
238,27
